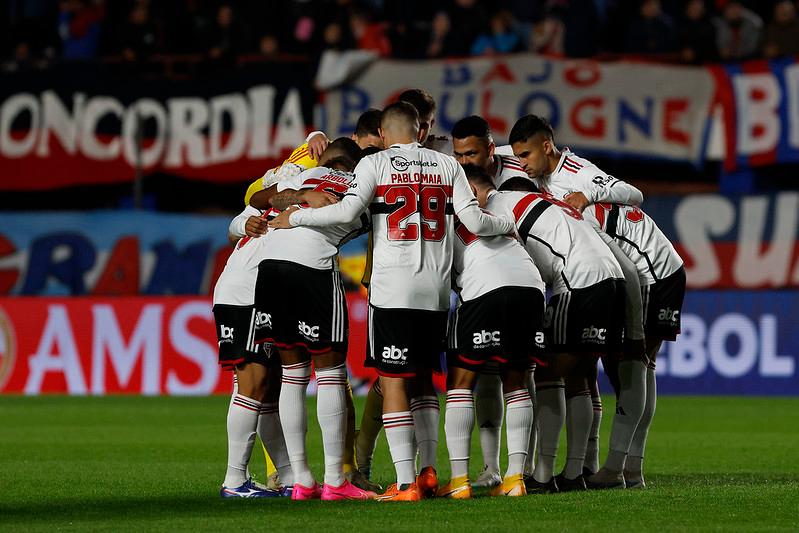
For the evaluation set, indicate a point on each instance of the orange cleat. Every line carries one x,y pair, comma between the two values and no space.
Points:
457,489
394,494
510,486
428,482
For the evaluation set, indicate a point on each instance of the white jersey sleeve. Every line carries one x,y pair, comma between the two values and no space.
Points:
236,227
576,174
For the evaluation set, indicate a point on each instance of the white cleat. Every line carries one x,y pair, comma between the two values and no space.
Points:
487,479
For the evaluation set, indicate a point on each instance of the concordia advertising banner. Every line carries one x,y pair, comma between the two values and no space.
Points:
80,126
618,108
732,343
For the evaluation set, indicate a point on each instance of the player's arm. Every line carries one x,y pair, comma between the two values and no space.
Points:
597,186
289,192
470,214
247,223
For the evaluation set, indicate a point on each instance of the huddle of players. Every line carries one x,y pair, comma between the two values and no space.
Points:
431,228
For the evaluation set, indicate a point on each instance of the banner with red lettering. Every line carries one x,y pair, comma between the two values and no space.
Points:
630,109
85,125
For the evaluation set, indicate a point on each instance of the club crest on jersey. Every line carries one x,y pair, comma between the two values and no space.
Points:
309,332
263,320
484,338
392,353
594,334
669,315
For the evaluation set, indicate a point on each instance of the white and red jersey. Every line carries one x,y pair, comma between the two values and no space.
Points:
575,174
638,237
568,252
412,194
236,283
313,247
509,169
483,264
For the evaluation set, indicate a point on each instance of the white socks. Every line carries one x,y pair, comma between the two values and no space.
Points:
490,410
579,416
629,408
551,414
636,457
242,419
294,419
425,413
529,463
519,423
371,424
592,451
400,436
331,411
458,426
271,433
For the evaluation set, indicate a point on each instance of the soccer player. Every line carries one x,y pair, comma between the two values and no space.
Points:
412,194
581,323
499,318
299,290
473,143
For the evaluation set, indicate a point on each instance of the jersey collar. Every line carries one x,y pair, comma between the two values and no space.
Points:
408,146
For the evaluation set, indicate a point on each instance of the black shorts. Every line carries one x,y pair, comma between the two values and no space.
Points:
235,329
588,320
401,342
301,307
504,325
662,303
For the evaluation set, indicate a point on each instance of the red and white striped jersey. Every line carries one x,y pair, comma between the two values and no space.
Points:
412,194
236,283
638,237
509,169
568,252
483,264
313,247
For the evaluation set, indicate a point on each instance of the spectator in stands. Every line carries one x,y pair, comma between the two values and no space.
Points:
697,34
79,23
651,32
269,45
369,34
441,37
547,35
228,37
738,32
139,36
782,34
502,37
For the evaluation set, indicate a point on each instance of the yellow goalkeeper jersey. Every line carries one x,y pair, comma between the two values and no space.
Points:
300,157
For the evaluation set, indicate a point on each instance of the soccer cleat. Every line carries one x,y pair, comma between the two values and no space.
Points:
567,485
487,478
427,481
587,472
299,492
510,486
345,491
634,480
285,491
538,487
605,479
457,489
249,489
394,493
362,481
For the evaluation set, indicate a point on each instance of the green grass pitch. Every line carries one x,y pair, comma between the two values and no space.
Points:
131,463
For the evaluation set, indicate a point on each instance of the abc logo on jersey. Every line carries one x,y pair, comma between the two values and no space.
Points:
309,332
485,338
594,334
263,319
392,353
667,315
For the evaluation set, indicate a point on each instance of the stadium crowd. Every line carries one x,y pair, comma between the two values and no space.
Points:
38,32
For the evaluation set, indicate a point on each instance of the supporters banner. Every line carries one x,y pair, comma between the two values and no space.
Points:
732,343
82,125
761,112
616,108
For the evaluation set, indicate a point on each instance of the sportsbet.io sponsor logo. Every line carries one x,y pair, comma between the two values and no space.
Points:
8,349
401,164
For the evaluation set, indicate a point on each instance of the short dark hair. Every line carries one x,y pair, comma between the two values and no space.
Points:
478,175
343,152
529,125
370,150
400,109
473,126
368,123
419,99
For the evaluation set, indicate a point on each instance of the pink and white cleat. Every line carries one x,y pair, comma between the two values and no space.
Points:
345,491
301,492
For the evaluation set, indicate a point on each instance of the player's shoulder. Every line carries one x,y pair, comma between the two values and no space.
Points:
301,156
581,166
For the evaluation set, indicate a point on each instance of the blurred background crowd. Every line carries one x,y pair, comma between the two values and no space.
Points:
38,33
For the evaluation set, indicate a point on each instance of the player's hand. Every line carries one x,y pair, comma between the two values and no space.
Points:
577,200
282,220
319,198
317,145
255,227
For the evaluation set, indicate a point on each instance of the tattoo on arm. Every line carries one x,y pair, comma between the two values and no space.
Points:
283,199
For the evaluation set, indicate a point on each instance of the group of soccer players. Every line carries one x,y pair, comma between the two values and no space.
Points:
502,231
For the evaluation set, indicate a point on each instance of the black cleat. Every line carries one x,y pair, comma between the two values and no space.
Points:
587,472
537,487
567,485
605,479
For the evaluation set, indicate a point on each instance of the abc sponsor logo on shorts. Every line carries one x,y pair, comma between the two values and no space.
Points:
263,319
484,338
539,339
667,315
392,354
309,332
225,333
594,334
